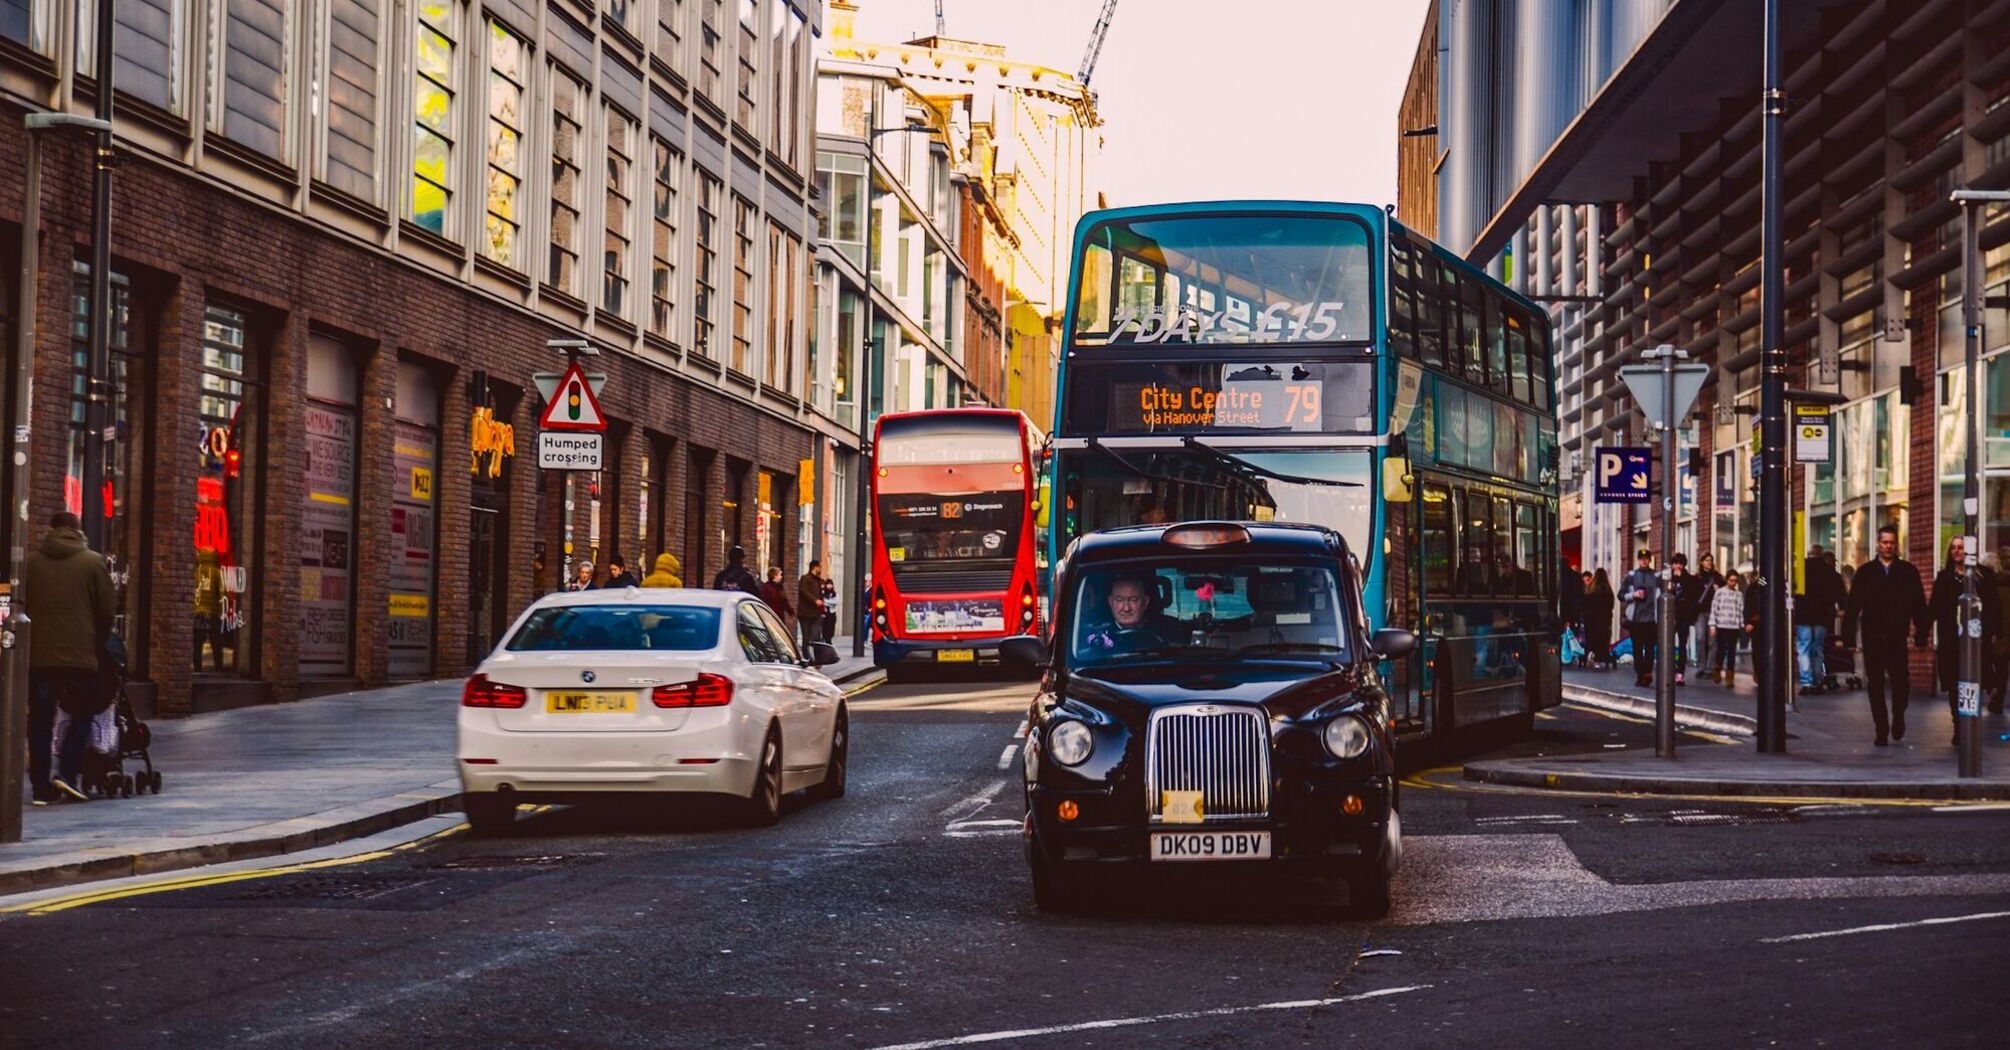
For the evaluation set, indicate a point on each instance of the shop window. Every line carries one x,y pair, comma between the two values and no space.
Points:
108,520
415,455
492,443
328,512
228,466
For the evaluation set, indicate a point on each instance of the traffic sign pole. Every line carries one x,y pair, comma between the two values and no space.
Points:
1664,394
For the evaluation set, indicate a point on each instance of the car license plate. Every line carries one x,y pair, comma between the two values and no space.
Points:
588,703
1211,845
955,656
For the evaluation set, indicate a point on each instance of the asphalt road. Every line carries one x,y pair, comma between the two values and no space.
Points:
902,916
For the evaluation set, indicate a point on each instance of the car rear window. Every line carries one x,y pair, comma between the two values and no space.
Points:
617,628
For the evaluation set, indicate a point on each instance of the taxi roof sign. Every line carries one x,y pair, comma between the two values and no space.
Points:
573,405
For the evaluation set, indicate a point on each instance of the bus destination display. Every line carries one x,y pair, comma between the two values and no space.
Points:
1200,398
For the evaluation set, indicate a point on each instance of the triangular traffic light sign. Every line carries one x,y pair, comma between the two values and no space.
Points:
573,406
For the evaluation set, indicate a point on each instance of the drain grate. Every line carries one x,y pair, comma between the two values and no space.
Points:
513,862
358,887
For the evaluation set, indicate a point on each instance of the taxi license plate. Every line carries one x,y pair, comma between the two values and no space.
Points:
588,703
955,656
1211,845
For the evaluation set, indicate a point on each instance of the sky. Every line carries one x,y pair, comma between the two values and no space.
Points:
1213,99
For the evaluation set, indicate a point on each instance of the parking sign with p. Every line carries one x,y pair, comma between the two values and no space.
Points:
1623,475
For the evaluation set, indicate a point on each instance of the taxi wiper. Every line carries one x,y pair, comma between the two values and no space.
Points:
1233,461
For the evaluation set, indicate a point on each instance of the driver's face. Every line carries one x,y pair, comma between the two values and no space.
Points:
1127,604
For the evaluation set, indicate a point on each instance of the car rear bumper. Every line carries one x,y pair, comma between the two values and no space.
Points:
715,752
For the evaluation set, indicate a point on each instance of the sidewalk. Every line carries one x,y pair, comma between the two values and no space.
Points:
260,781
1829,749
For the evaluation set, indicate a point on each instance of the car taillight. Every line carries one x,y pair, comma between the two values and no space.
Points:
708,690
480,692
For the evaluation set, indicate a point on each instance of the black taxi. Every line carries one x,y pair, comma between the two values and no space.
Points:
1211,696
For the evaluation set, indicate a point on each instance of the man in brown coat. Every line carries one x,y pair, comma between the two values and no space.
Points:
810,608
70,602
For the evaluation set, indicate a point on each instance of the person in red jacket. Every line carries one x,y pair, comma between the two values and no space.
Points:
777,597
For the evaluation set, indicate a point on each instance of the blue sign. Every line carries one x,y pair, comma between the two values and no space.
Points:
1623,475
1727,480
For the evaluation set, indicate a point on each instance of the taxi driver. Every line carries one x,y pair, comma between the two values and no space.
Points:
1130,604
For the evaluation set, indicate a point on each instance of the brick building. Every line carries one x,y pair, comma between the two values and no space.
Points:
342,236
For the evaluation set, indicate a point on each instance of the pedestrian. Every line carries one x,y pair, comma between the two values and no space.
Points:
584,580
810,607
1638,591
1689,595
1814,617
1727,623
1570,596
669,572
1947,590
777,596
71,601
830,610
2000,677
1598,603
736,576
1885,599
1713,581
618,574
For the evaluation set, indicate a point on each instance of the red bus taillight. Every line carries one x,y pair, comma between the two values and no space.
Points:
879,611
708,690
480,692
1028,606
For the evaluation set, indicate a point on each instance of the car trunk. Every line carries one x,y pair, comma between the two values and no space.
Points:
617,699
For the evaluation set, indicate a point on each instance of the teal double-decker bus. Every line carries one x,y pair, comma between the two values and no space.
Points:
1320,363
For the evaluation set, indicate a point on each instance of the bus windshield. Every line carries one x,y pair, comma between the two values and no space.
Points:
1207,609
1106,487
1225,279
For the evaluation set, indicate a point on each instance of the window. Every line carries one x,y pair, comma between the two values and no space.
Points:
148,45
707,276
1430,311
1517,358
847,343
797,122
27,22
352,87
670,32
841,184
784,259
328,510
1402,304
505,146
626,13
745,85
668,170
1438,539
785,80
743,284
709,45
605,628
566,92
227,466
756,639
248,68
620,164
433,113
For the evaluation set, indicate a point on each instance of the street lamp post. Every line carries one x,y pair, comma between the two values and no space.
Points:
1968,691
1771,653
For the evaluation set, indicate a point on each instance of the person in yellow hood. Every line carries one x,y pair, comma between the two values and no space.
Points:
668,572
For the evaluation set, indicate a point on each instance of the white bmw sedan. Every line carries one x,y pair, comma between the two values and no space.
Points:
603,692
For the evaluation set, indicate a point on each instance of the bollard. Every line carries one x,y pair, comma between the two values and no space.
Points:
1968,691
1664,669
14,709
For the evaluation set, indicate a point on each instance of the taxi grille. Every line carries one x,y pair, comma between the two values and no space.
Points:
1222,753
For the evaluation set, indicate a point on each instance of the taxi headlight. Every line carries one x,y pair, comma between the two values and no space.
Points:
1070,743
1347,736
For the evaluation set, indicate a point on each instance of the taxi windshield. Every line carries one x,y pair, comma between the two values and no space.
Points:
1207,609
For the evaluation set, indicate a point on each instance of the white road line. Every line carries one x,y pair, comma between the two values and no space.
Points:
967,806
1006,756
1020,733
1127,1022
1973,807
1883,927
970,829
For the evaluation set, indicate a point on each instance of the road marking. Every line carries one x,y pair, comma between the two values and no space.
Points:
1129,1022
1420,781
973,803
971,829
1972,807
1006,756
51,905
1885,927
1020,733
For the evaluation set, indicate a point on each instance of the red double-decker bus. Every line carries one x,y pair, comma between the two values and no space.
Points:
953,496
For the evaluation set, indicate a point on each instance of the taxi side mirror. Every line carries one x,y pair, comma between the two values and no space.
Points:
1392,643
1025,650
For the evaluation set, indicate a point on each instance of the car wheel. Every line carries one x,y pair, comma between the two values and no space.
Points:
763,805
488,813
834,769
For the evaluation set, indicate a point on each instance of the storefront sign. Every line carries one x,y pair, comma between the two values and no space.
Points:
488,437
567,450
415,452
328,524
1811,434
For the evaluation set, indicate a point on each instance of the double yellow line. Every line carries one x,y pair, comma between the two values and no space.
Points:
52,905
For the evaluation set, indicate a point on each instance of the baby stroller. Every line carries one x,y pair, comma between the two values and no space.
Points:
117,734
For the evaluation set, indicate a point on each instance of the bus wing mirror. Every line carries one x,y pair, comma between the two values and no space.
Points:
1396,480
1025,650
